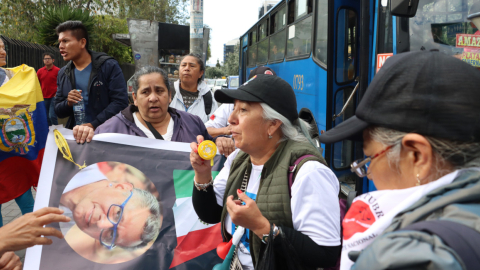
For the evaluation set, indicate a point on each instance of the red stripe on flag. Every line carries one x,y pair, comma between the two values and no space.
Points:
17,175
196,243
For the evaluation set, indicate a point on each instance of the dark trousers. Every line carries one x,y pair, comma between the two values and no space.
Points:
50,106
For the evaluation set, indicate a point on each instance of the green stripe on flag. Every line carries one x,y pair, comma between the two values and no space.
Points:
183,182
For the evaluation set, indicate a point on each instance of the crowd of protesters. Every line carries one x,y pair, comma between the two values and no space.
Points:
418,121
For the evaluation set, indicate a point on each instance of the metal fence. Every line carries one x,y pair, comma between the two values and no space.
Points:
22,52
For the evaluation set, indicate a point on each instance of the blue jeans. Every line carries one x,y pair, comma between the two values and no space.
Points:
50,107
24,201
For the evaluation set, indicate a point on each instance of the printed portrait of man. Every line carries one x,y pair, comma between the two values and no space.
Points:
112,221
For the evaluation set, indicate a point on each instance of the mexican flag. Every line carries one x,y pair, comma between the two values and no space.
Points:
183,242
194,238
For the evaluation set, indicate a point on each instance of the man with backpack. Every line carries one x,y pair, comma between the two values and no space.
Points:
192,95
92,77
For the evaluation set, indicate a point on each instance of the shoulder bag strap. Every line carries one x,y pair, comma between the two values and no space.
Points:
294,168
157,135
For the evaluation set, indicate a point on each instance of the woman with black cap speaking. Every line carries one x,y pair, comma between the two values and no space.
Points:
253,189
420,123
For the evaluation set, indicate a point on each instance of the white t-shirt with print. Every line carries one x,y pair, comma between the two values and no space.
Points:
314,203
167,136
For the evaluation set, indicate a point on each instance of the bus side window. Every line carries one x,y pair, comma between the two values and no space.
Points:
343,151
300,38
321,42
346,45
252,49
278,36
262,48
278,20
252,55
277,46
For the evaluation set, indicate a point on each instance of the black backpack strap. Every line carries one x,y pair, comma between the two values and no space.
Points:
464,240
207,101
157,134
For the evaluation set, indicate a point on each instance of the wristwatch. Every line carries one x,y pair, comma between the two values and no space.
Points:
276,231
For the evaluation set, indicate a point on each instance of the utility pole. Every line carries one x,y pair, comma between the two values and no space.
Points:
196,27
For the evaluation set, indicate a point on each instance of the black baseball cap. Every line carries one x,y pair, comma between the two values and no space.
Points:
272,90
424,92
261,70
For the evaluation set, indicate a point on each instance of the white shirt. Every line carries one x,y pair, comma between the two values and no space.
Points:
314,203
167,136
219,119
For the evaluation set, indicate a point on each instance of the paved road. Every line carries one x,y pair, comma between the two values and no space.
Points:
11,211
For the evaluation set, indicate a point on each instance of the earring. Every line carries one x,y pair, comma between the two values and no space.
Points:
418,180
270,136
110,185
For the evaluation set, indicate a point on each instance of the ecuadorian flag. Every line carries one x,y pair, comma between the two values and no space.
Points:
196,241
24,129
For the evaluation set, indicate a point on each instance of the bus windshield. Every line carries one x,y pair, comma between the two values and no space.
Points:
445,25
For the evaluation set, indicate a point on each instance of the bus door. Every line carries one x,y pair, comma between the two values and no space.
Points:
343,78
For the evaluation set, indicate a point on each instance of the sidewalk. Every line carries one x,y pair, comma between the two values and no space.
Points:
11,211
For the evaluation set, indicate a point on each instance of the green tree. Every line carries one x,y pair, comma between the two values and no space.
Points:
54,16
100,27
168,11
20,18
218,64
214,72
231,66
104,27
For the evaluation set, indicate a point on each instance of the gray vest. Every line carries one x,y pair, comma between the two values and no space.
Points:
273,198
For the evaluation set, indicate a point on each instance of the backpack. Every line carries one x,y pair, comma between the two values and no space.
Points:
344,204
207,102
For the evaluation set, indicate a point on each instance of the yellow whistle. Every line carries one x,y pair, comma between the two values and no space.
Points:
207,151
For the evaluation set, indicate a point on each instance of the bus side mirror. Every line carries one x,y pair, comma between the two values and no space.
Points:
404,8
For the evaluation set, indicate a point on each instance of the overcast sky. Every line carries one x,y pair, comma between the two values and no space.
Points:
229,19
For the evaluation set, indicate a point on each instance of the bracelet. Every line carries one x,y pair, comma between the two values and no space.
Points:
203,186
276,231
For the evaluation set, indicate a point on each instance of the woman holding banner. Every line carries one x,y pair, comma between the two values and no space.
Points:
253,191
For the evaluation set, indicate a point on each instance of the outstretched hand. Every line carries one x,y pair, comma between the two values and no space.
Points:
27,230
247,214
